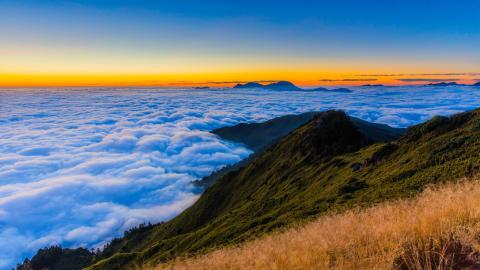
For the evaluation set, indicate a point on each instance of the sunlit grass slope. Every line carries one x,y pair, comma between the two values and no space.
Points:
440,229
324,165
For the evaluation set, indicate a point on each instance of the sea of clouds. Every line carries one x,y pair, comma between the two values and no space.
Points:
80,166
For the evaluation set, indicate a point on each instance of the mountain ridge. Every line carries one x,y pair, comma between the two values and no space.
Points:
305,174
259,136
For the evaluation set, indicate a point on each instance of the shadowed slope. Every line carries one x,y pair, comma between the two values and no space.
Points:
258,136
58,258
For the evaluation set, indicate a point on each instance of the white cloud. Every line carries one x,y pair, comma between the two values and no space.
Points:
79,167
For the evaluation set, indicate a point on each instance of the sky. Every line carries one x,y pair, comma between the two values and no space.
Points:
183,43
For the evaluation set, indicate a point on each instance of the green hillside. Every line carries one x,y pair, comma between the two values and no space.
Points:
260,136
326,164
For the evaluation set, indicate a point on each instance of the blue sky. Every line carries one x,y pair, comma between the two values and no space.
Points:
235,40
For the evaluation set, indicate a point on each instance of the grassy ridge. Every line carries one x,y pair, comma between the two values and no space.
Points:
326,164
259,136
437,230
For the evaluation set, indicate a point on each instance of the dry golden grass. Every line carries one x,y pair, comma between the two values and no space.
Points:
437,230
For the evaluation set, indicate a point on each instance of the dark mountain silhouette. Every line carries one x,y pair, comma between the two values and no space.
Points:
444,84
58,258
317,89
282,86
248,85
287,86
373,85
476,84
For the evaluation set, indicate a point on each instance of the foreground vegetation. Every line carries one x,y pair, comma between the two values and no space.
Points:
58,258
440,229
328,164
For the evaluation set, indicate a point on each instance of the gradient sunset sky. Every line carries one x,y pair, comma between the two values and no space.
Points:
101,43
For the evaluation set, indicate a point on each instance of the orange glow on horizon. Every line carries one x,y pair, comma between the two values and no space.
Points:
306,79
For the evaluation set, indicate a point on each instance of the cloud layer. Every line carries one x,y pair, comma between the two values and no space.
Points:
77,167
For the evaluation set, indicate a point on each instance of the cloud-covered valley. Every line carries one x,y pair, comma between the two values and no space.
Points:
79,166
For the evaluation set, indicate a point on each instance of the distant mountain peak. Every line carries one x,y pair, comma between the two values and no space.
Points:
444,84
279,86
282,86
282,83
287,86
248,85
372,85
